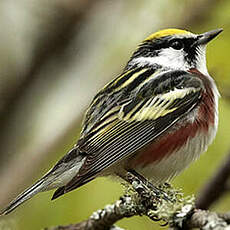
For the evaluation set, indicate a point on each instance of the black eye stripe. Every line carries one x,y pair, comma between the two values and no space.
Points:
167,42
152,48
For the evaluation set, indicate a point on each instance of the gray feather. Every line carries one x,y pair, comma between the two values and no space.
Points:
58,176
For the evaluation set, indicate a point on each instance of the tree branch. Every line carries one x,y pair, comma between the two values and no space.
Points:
201,219
79,226
178,212
105,218
128,206
139,200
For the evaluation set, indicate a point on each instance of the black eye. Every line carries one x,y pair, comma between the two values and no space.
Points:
177,45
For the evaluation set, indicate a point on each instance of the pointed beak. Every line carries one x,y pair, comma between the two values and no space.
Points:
204,38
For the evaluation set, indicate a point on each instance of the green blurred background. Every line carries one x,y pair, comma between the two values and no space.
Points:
54,56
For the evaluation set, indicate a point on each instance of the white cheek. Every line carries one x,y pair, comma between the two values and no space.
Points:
173,58
169,58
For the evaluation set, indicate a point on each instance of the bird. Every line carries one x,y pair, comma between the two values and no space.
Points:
152,120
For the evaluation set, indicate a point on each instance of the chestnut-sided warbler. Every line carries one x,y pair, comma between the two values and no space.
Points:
154,119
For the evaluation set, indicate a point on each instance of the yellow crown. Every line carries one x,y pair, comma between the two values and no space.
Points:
166,32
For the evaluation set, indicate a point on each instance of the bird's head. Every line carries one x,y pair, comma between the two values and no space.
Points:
173,49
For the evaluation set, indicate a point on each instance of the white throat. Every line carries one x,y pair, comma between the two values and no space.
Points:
201,60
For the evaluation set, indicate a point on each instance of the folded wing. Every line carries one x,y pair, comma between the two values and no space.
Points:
135,121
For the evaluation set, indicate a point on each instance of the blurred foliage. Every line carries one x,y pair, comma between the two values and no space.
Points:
45,120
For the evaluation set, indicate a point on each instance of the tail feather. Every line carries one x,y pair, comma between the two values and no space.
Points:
60,191
24,196
64,189
60,175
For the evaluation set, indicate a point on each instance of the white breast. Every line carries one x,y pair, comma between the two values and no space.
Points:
170,166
